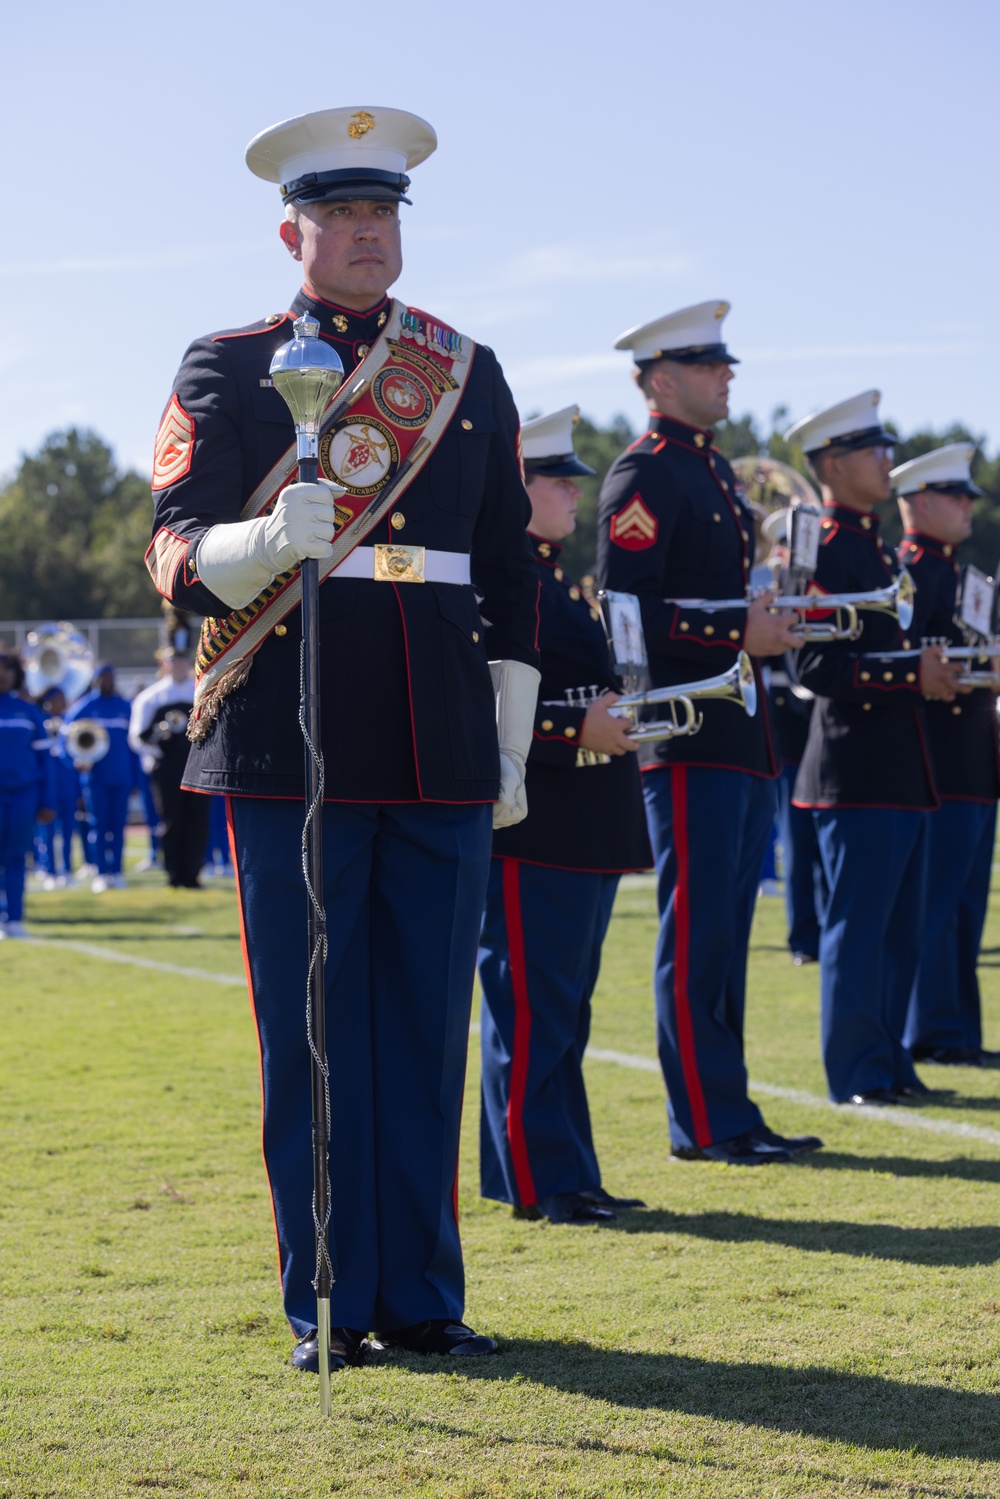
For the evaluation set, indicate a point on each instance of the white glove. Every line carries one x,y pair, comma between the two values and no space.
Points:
516,686
237,559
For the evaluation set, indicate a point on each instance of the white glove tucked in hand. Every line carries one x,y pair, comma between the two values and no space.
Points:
516,686
238,559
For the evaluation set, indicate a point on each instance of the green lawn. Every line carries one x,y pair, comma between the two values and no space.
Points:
828,1328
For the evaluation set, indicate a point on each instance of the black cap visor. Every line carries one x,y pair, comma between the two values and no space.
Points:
962,489
697,354
870,437
346,184
560,466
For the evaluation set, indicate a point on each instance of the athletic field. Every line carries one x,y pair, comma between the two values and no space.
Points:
827,1328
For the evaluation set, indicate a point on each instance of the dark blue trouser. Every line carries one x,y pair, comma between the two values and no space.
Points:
18,810
709,829
805,884
404,892
539,958
57,858
874,861
108,809
944,1006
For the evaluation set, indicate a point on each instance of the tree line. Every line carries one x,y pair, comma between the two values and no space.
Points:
74,526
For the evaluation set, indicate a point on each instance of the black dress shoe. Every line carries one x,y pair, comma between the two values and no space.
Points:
921,1090
438,1335
602,1199
800,959
797,1144
573,1207
347,1346
876,1098
742,1150
952,1056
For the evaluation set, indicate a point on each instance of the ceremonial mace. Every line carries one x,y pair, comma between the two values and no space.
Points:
306,373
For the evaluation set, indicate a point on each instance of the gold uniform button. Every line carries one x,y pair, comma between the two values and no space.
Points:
911,676
699,441
685,625
574,592
867,707
948,551
734,634
544,550
906,645
866,522
746,535
546,725
559,574
956,711
780,702
571,732
709,629
281,629
475,637
398,521
595,614
716,516
466,424
866,676
887,676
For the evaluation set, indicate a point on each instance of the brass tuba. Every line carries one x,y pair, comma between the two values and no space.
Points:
57,655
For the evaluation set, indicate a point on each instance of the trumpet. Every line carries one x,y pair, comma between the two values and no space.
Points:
988,651
87,741
737,685
896,600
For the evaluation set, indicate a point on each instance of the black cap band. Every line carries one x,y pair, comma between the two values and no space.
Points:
560,465
695,354
347,183
868,437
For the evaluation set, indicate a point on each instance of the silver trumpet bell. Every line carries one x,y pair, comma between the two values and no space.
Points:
57,655
87,741
737,685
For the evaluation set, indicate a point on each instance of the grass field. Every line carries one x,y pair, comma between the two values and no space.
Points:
828,1328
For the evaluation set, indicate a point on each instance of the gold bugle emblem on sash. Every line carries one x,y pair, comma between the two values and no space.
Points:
397,563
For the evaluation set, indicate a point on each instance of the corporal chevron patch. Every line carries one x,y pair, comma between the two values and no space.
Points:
634,527
174,446
814,590
165,553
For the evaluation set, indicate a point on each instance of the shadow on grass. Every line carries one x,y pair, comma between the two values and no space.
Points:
975,1245
959,1168
862,1409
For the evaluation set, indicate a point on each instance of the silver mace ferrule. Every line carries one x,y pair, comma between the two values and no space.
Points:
307,372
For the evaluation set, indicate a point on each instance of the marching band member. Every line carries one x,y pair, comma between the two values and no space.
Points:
935,494
672,525
56,860
108,783
157,734
427,704
27,785
865,772
553,880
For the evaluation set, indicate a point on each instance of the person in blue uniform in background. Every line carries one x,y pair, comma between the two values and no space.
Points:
427,713
56,858
935,494
108,783
27,786
673,529
865,771
553,880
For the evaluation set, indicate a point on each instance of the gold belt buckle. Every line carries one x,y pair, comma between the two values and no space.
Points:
398,563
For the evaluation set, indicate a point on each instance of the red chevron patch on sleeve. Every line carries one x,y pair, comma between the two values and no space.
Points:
165,553
634,527
815,590
174,446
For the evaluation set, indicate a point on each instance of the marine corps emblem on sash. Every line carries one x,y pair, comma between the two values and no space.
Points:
360,453
402,397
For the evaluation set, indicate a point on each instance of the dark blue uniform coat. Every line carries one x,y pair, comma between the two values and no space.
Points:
409,736
552,886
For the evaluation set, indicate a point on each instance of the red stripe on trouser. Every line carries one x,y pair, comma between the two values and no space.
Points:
234,859
682,959
522,1033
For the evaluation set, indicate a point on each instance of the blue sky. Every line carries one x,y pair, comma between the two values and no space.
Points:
829,170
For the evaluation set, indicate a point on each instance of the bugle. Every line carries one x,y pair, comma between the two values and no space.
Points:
737,685
970,677
896,599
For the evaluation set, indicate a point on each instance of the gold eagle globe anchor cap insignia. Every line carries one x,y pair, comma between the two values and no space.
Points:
358,151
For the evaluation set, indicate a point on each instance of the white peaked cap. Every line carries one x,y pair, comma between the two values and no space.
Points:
334,152
695,332
850,424
943,468
547,443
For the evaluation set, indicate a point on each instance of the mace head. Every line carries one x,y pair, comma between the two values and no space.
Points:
307,372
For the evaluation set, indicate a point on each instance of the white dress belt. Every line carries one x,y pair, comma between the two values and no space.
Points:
436,567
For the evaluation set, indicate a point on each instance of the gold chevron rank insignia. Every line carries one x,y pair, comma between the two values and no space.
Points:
634,528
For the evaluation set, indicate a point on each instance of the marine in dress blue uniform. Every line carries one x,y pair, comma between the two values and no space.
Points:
418,742
865,771
672,525
27,786
553,880
944,1024
109,782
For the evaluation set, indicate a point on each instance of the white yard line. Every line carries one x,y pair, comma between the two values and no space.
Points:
901,1118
